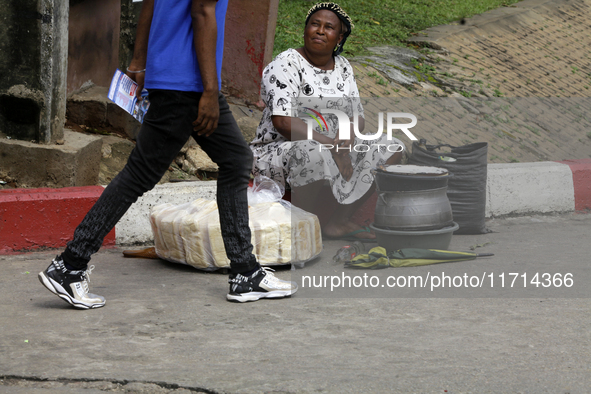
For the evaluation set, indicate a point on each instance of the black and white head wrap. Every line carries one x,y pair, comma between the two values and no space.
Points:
341,14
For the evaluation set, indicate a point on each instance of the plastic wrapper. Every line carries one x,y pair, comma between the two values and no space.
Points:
281,233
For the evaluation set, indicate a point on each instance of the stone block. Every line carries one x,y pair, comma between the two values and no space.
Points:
88,108
121,120
91,107
31,165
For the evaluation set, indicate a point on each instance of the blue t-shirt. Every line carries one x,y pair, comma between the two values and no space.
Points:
172,60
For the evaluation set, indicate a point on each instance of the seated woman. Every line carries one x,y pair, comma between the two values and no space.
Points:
303,81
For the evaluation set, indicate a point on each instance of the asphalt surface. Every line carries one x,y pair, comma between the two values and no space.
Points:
168,328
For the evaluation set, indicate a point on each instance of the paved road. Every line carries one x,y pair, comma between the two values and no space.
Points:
168,327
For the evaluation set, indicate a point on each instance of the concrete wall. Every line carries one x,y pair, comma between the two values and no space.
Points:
130,12
33,47
29,165
93,50
250,35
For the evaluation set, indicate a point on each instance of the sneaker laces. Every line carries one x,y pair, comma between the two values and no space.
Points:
269,274
268,270
86,277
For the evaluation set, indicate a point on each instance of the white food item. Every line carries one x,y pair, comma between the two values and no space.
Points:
282,217
158,242
265,233
217,248
195,233
191,234
172,244
307,235
302,237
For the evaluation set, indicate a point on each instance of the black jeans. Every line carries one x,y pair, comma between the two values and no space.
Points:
166,128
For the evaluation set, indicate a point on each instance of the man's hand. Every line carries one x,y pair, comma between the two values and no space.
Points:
137,78
209,114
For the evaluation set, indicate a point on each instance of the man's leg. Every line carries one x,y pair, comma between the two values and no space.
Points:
166,128
228,149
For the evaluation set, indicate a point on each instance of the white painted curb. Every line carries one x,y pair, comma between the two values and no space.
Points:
512,189
520,188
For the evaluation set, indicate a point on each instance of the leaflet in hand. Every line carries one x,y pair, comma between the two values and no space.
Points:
122,92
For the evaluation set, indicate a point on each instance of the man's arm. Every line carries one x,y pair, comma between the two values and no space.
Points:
140,49
205,40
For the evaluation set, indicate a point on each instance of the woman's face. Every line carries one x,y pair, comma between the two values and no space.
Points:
323,32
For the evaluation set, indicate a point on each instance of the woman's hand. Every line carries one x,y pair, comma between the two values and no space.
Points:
340,154
343,161
345,145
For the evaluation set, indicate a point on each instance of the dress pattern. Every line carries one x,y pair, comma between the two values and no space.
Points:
292,87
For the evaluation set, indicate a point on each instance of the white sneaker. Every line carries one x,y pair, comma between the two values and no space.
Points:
70,286
262,284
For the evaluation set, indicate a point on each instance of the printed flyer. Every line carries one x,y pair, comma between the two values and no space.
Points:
123,93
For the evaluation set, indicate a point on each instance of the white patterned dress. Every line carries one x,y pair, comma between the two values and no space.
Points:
290,87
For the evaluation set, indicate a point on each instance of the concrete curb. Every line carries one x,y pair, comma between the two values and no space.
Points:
520,188
46,218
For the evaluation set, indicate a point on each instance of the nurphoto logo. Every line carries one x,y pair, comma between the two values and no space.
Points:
345,125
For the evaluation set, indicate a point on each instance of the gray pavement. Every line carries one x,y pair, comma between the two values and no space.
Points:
168,327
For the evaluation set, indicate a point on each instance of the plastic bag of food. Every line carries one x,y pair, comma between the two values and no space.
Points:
280,233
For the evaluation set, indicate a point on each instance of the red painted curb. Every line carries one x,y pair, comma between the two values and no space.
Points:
581,170
44,218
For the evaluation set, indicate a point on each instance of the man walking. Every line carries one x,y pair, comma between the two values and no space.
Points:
178,58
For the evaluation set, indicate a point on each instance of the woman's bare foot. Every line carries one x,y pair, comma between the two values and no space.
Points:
346,229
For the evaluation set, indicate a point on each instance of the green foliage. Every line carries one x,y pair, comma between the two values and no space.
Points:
379,22
422,67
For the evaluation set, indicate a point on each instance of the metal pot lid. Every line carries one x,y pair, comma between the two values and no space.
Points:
410,169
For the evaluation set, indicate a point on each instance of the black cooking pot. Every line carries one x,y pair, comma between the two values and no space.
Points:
427,209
